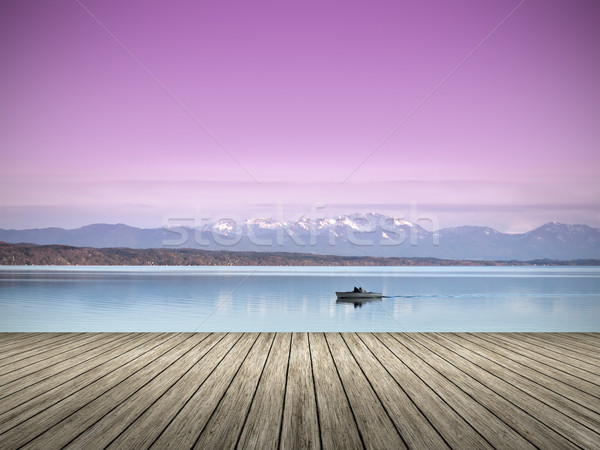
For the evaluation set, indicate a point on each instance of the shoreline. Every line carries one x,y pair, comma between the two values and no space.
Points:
63,255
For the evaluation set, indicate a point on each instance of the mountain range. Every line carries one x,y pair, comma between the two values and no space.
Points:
346,235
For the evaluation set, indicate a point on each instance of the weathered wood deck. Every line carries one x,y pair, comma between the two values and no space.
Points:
267,390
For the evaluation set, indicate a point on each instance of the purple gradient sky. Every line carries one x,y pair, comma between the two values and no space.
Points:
299,94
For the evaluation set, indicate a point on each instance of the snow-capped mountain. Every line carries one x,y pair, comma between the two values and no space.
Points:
348,235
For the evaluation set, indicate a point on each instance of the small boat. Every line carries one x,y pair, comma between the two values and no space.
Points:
358,294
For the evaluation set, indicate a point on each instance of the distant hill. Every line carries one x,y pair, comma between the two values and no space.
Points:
373,235
63,255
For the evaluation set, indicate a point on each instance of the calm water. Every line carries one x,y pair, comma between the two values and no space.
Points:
299,299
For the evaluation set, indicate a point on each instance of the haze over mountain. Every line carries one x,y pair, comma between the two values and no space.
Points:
346,235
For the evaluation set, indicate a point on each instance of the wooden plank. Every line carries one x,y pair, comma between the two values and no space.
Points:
225,425
563,424
562,354
427,390
522,379
30,401
128,408
49,375
541,362
25,339
300,427
590,351
541,356
453,428
31,361
7,335
519,420
575,341
580,390
337,424
146,428
261,430
581,338
187,425
374,424
20,379
592,336
36,425
68,356
570,365
66,430
42,343
587,350
413,426
9,339
488,425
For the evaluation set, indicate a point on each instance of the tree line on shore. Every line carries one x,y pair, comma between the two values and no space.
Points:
63,255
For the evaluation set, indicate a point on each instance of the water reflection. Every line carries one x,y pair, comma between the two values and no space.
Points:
357,302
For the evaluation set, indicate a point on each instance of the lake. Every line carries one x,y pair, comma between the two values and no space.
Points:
36,298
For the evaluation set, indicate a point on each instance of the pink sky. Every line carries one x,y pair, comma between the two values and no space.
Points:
298,95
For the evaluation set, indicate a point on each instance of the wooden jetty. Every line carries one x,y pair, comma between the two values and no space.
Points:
299,390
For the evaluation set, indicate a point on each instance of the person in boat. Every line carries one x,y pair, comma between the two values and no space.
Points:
355,289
